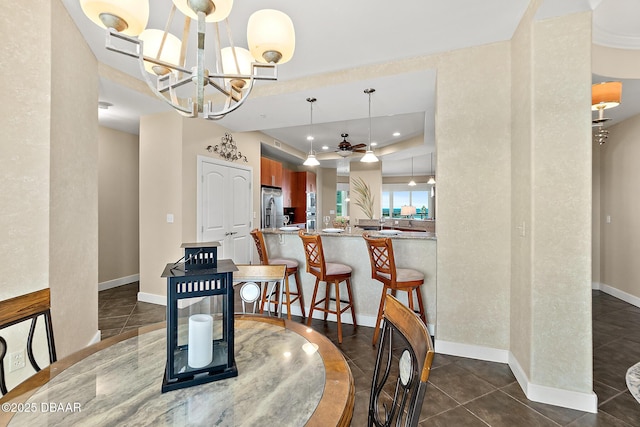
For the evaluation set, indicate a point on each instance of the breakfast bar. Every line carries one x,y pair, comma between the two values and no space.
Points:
416,250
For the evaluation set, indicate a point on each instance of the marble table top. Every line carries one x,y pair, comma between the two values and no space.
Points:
283,379
633,380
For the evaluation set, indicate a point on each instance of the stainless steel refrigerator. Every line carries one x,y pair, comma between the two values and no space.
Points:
271,207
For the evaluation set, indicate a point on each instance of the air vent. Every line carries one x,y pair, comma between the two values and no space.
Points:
277,143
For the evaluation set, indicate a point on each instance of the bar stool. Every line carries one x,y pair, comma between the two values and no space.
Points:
292,270
330,273
383,269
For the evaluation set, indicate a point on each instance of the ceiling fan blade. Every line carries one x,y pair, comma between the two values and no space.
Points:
360,150
358,146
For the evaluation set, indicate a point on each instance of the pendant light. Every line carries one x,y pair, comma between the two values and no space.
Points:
412,183
369,157
432,179
311,158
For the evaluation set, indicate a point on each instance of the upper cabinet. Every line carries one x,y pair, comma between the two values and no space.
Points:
305,183
270,172
288,187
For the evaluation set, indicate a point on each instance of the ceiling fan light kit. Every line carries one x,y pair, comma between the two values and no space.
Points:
270,35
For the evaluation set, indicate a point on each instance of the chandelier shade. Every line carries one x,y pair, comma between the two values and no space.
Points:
238,64
129,17
170,50
271,36
605,95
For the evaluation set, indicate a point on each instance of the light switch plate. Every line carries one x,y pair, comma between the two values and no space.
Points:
170,218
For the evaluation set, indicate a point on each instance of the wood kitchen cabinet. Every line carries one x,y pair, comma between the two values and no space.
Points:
287,187
302,183
270,172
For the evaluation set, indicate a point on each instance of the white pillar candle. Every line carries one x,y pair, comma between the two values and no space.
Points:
200,337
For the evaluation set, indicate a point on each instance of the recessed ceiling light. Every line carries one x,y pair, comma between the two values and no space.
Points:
325,147
309,138
396,134
373,144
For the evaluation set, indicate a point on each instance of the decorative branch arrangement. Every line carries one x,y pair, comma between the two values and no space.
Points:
227,149
364,199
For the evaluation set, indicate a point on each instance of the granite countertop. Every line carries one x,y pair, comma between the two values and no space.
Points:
357,232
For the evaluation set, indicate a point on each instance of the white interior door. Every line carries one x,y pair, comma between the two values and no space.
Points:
225,208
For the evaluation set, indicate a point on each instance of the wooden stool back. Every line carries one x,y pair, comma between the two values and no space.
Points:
20,309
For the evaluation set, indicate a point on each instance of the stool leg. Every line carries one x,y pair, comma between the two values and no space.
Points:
313,302
338,311
299,290
423,314
287,296
376,331
353,309
327,299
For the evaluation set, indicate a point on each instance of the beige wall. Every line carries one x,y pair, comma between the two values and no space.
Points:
620,239
24,163
561,202
472,142
551,203
327,187
49,209
118,229
73,244
160,194
169,146
371,173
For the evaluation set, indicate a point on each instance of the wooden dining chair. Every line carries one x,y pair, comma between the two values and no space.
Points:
403,365
383,269
249,278
20,309
330,273
292,270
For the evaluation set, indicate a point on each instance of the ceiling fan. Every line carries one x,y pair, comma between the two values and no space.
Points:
345,149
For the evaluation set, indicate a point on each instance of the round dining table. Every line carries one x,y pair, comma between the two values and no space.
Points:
288,375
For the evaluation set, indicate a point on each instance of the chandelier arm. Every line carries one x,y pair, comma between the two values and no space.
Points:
233,46
218,49
138,55
185,41
166,30
217,115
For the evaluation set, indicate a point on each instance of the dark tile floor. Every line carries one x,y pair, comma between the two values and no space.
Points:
463,392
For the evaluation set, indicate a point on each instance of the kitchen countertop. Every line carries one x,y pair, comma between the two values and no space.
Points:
357,232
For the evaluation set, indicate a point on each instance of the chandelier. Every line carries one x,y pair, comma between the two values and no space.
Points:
162,55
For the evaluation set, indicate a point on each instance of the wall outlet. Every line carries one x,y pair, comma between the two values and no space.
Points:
16,360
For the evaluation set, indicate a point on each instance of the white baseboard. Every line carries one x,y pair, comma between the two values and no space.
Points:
587,402
152,298
96,338
118,282
472,351
614,292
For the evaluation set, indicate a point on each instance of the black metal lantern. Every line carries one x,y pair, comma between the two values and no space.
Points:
199,318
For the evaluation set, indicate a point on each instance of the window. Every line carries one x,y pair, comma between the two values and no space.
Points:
342,200
394,196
